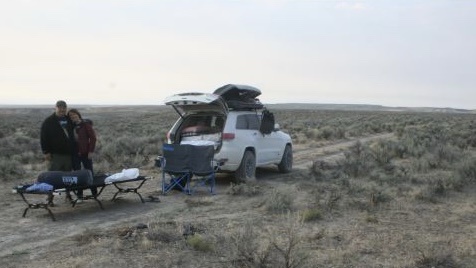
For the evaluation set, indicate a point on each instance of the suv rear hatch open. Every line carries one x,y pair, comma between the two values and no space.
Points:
195,102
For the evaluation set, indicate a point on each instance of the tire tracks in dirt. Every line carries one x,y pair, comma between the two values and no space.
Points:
304,157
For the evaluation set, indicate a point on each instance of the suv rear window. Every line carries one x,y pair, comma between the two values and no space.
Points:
248,121
202,123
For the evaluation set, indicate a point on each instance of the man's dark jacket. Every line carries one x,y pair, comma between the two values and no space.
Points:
53,139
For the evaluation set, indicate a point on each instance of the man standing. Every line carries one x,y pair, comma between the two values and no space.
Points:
57,139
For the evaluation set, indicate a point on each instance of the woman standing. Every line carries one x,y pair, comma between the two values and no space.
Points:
85,138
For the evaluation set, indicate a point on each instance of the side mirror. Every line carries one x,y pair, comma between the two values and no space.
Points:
276,127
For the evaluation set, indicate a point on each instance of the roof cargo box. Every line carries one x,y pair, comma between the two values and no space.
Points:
240,97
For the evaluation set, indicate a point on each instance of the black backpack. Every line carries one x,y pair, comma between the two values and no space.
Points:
267,122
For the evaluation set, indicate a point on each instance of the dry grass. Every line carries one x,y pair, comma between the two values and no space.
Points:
403,202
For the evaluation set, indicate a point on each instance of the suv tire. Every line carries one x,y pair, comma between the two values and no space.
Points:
286,164
246,171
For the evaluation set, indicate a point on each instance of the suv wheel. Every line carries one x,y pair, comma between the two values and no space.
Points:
246,171
286,163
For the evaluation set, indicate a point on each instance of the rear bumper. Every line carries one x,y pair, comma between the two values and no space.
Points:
232,158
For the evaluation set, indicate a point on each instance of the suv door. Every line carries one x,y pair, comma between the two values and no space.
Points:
247,133
270,144
268,147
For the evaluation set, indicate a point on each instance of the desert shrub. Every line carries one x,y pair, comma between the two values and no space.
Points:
440,157
423,164
125,145
358,161
32,133
332,200
380,196
447,154
11,169
7,130
280,246
279,201
372,127
371,218
381,177
340,132
198,202
326,133
28,157
127,151
88,236
420,139
433,191
311,214
289,245
463,135
412,142
246,189
246,249
161,234
402,174
312,134
445,261
436,255
465,173
334,125
15,144
322,170
434,145
199,243
104,167
355,132
384,151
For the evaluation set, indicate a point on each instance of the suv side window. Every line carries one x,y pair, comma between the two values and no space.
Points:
248,121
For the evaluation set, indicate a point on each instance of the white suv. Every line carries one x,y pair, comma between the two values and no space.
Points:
237,124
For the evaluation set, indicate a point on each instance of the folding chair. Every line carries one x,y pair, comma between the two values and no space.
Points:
203,168
175,167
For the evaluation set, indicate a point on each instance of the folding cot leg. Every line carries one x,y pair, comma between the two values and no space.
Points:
86,198
49,212
36,206
24,212
99,203
120,190
100,191
129,190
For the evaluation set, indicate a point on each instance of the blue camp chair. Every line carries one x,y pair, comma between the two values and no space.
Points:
186,167
203,168
176,171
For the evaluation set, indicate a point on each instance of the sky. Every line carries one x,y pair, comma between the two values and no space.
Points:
411,53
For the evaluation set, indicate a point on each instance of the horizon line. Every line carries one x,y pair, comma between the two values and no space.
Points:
284,103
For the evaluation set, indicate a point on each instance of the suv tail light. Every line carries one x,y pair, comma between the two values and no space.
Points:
228,136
